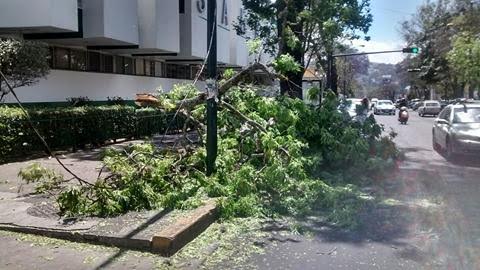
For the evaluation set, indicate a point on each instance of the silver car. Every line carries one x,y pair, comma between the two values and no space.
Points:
457,130
429,107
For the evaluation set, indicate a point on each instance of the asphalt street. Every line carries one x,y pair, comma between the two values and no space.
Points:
432,220
429,220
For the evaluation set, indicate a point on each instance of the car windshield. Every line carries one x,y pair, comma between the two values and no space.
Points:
432,104
471,115
385,103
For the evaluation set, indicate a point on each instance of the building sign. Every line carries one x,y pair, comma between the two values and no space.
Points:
201,5
225,13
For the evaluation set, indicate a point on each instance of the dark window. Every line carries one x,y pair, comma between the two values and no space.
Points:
107,63
119,65
62,58
153,66
78,60
171,70
139,67
158,69
181,72
94,61
148,68
181,6
50,57
163,71
445,114
129,68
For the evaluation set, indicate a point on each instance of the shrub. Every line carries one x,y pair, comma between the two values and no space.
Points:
75,127
115,100
78,101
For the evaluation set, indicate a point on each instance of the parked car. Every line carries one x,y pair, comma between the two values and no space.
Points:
457,130
384,107
373,103
412,102
417,105
429,107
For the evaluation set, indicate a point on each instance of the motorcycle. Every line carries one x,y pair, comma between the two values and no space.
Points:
403,115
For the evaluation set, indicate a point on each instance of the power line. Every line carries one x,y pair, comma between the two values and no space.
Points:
197,77
32,125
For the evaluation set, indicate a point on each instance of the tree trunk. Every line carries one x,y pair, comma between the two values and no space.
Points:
287,15
471,91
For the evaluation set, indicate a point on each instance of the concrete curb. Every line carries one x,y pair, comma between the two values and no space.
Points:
184,230
166,242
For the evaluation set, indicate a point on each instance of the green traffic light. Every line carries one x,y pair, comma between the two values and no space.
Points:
410,50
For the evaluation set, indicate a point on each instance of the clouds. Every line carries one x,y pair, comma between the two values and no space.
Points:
373,46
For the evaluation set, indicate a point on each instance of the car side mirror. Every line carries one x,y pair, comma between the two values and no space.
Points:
442,121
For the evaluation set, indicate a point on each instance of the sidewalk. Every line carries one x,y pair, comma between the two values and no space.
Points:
161,231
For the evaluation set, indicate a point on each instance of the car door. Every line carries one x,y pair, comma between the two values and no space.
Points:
442,129
420,107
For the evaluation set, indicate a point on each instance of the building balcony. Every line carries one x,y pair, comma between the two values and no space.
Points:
110,22
39,16
159,26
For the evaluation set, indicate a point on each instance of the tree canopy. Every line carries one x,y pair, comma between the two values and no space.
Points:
22,62
443,29
304,29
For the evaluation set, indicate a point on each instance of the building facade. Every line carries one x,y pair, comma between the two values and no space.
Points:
106,48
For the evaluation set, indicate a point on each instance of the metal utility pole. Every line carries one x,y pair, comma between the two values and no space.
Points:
212,90
344,77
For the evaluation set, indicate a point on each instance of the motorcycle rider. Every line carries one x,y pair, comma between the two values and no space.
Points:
403,114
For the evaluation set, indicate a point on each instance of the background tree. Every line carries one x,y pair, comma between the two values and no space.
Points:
304,29
465,60
433,29
22,62
350,70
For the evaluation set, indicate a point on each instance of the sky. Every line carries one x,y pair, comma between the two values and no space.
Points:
387,16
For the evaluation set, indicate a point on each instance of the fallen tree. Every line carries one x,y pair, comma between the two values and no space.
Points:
276,155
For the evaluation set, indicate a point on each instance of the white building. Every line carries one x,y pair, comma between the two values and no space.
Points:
103,48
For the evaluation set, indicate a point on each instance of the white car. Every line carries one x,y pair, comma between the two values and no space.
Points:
373,103
384,107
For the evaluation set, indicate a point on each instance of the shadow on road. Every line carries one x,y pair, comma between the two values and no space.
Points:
112,259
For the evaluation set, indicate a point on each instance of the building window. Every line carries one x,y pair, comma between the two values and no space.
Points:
171,70
78,60
148,68
119,65
181,6
94,62
159,69
50,57
139,67
107,63
62,58
129,68
181,72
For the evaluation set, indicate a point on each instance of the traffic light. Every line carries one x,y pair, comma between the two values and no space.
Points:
410,50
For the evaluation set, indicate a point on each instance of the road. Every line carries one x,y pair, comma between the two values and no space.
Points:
433,221
429,220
